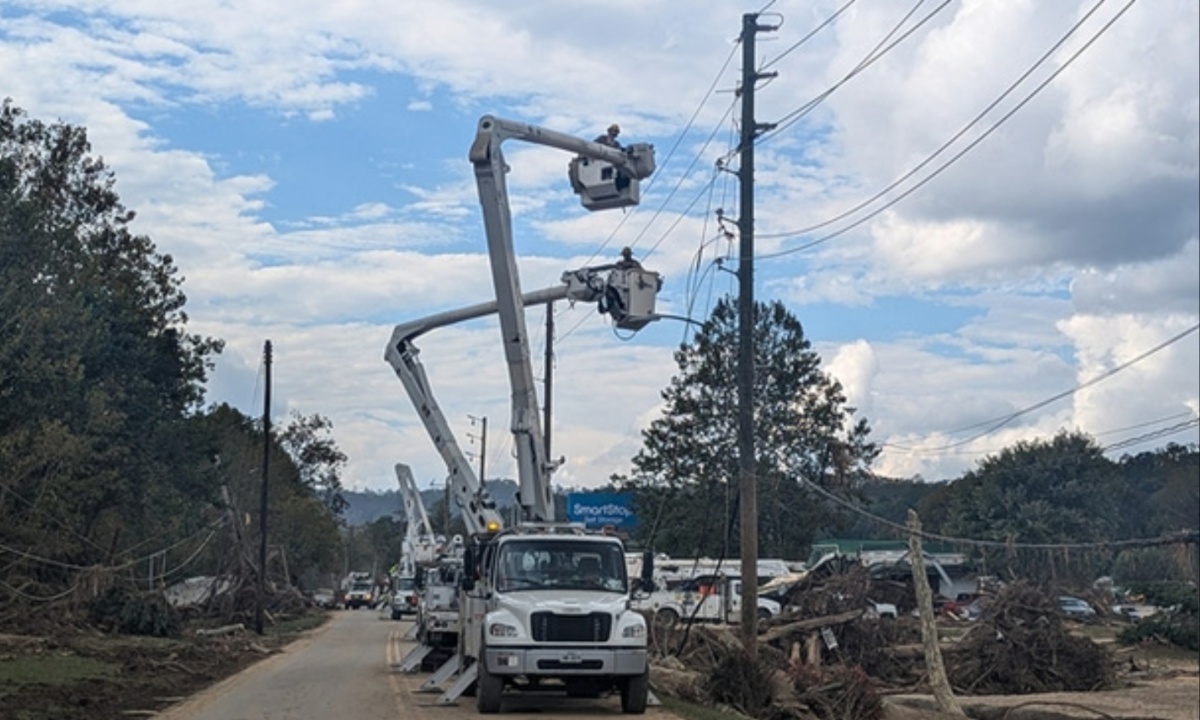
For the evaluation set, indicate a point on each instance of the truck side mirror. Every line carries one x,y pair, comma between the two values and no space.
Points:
648,571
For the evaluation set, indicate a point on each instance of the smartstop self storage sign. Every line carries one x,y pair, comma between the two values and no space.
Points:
595,510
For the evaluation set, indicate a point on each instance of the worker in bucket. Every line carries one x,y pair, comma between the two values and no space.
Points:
610,136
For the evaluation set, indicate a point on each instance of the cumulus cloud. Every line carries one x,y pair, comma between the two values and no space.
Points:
1065,242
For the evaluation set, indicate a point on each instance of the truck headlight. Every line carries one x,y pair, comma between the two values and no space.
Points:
498,629
634,631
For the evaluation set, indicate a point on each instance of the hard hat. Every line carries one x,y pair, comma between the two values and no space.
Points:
626,251
614,128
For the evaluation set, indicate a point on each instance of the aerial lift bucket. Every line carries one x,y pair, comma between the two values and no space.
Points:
632,294
602,186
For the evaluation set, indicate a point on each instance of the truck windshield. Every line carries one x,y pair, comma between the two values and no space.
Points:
560,565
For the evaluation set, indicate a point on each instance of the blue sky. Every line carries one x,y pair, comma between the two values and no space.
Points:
305,164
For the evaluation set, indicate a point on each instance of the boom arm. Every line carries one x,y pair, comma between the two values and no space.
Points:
636,162
420,545
479,510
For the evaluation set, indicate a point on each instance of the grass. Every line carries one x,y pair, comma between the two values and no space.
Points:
692,711
297,625
51,669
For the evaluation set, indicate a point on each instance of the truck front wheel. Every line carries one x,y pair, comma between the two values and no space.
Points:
635,690
488,688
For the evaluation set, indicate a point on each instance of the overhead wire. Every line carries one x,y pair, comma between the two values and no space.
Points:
1097,434
1188,536
671,154
974,143
683,177
1153,435
954,138
791,118
992,426
793,47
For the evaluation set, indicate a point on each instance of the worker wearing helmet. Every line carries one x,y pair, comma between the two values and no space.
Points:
627,261
610,136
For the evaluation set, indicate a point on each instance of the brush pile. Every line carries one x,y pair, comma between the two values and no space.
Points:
1020,645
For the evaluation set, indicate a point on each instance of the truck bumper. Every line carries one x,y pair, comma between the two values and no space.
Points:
564,661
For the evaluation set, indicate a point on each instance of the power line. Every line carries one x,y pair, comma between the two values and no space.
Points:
1004,118
1184,536
1160,433
1097,434
671,154
869,59
791,48
962,131
1001,422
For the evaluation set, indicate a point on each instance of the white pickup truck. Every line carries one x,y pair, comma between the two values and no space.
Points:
705,598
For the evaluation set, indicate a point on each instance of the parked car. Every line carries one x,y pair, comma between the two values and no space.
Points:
325,598
1076,608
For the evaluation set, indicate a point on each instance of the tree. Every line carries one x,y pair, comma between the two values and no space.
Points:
98,376
687,470
1058,491
299,521
306,439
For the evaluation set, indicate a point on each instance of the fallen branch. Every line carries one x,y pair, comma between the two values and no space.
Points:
783,632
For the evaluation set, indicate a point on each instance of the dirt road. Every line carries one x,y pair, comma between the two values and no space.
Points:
343,670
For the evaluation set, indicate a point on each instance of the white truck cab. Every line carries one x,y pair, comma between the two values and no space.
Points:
556,608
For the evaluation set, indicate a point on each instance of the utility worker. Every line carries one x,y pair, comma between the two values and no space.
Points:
627,262
610,136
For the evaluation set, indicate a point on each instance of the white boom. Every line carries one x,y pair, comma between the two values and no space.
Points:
582,633
625,167
420,547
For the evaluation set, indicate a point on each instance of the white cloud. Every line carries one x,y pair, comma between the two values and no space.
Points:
1069,237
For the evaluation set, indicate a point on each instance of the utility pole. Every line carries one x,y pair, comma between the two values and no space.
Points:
747,465
262,508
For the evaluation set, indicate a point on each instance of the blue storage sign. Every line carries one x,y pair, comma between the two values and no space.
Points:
596,510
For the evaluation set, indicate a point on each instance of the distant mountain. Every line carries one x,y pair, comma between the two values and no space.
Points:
368,506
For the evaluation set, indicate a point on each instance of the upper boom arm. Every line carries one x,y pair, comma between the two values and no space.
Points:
632,164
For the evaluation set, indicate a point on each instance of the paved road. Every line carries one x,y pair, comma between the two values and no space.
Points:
343,671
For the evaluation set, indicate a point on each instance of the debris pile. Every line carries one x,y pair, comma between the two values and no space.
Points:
836,692
827,658
1020,645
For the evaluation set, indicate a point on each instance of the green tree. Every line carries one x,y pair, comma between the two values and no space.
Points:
1040,492
308,441
1161,490
98,377
298,520
687,471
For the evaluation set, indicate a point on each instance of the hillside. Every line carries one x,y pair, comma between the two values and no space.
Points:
368,506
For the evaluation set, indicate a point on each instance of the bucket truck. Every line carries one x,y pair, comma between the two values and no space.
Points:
542,605
420,548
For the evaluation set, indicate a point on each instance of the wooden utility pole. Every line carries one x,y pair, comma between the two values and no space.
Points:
943,694
747,465
262,514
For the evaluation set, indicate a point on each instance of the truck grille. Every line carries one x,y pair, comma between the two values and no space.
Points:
548,627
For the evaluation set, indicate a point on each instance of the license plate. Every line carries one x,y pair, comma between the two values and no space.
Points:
571,658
